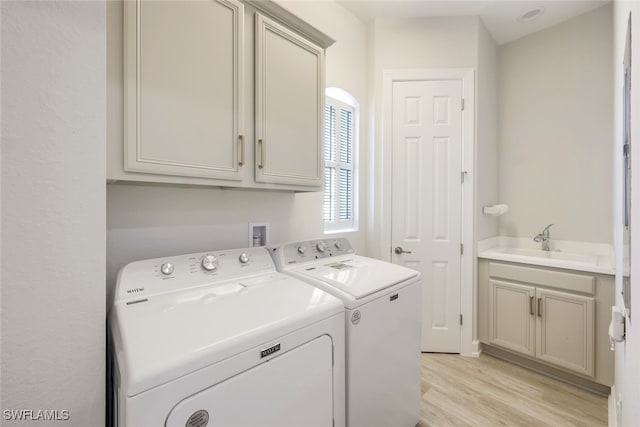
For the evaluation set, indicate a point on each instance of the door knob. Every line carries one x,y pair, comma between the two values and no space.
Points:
399,250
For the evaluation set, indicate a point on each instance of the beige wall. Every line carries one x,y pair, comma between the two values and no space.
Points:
555,127
146,221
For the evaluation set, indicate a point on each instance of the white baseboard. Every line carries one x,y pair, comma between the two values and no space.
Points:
613,408
476,348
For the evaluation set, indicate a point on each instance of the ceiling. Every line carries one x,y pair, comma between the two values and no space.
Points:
500,17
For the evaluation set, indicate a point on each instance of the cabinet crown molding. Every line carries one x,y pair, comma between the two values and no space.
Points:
276,11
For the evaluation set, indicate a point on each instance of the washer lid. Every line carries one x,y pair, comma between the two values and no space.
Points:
170,335
357,276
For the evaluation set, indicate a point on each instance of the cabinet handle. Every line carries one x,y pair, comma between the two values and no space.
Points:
531,306
539,307
261,163
241,144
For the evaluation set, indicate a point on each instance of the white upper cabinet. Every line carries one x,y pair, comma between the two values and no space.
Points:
289,106
181,94
183,88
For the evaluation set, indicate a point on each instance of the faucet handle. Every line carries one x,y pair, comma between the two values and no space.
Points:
547,228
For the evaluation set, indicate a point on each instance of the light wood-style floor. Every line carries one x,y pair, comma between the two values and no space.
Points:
485,391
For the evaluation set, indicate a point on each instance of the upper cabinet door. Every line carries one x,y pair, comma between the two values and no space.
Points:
289,106
183,88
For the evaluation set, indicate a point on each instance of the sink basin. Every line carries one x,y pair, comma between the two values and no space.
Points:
570,255
551,255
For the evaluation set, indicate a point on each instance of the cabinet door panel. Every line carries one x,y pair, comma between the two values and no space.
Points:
564,331
289,97
512,316
183,83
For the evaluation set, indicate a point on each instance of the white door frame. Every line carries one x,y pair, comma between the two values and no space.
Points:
467,77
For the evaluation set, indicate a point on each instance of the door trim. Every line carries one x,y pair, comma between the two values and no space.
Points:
468,286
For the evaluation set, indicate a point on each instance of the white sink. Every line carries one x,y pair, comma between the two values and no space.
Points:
571,255
551,255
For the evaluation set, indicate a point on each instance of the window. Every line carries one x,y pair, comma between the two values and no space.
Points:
340,146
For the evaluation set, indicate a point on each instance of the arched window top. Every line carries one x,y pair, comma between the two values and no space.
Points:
342,96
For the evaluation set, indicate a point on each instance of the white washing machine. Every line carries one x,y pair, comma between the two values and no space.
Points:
383,326
222,339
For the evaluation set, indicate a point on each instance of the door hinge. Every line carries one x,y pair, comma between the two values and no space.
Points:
462,104
463,174
461,320
461,249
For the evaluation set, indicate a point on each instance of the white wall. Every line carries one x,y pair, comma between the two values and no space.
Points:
53,209
425,43
415,43
627,357
145,221
149,221
486,153
555,131
487,133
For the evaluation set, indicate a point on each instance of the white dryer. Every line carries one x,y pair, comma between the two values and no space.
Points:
222,339
383,326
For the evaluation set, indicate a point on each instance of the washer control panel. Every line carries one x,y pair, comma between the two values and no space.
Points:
298,252
142,279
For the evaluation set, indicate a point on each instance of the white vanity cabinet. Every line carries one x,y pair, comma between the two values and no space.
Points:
224,93
551,319
183,86
511,319
553,326
565,330
289,106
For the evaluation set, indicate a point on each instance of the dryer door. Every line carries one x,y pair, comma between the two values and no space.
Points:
294,389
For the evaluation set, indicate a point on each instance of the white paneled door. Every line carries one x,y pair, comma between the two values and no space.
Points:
427,199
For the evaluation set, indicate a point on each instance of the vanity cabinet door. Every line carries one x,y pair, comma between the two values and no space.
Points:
289,106
565,330
512,316
183,88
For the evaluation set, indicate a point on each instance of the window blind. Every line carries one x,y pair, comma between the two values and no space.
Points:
338,208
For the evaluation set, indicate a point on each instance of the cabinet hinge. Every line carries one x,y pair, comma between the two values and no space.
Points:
461,320
461,249
462,104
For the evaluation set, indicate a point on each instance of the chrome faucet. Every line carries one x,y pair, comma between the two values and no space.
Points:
543,238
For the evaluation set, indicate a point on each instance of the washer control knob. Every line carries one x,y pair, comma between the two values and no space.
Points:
209,262
301,250
244,258
166,268
338,244
321,247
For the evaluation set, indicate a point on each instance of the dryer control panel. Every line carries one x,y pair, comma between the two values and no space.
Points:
299,252
142,279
